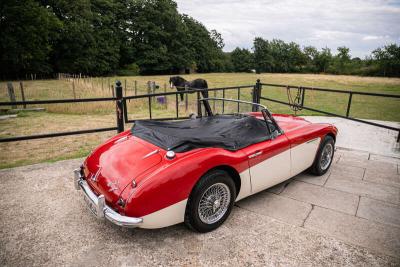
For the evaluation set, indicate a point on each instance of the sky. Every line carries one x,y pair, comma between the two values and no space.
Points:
360,25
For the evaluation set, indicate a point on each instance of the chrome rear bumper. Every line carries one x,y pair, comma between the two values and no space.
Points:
98,206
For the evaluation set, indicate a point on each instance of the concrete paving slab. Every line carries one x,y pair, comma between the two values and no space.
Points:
364,188
371,165
44,222
375,236
321,196
351,171
352,154
395,160
382,178
281,208
379,211
360,136
277,189
312,179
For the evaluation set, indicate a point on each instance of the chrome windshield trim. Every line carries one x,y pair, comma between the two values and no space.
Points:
233,100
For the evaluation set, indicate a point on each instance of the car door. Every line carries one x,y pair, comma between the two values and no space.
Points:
269,162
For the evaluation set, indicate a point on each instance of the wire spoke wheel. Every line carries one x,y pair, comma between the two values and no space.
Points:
326,156
214,203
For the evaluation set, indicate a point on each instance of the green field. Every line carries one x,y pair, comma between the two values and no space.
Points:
66,117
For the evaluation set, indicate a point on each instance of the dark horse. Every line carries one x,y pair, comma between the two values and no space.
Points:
181,85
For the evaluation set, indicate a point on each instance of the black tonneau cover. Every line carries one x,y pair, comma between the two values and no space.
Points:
231,132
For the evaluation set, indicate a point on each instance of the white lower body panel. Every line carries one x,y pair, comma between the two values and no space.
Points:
302,156
270,172
165,217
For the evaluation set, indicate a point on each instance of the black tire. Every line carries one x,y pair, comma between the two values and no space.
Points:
192,217
317,167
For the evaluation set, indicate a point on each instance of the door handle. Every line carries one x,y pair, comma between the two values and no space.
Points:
258,153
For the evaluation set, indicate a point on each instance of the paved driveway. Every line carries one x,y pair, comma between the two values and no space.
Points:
350,216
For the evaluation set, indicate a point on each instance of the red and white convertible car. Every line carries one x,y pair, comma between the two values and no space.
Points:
163,173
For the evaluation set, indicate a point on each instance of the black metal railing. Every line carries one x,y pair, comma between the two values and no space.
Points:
149,97
254,90
350,94
121,109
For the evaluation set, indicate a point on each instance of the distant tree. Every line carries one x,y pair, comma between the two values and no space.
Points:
388,60
206,47
87,41
28,33
242,60
263,59
278,56
341,63
155,31
311,54
343,54
323,59
217,38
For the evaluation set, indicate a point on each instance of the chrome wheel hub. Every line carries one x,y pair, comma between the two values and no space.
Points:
326,157
214,203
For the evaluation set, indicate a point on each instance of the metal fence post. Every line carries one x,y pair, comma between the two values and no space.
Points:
256,95
119,107
349,105
259,88
199,113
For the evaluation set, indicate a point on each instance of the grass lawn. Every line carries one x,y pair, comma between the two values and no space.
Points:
65,117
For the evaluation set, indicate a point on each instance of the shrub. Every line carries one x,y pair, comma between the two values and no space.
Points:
129,70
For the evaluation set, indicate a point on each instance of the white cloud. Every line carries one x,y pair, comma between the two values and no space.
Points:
374,37
353,23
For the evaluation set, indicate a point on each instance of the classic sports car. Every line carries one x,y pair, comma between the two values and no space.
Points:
163,173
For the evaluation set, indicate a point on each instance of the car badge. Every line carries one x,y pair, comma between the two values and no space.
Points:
113,186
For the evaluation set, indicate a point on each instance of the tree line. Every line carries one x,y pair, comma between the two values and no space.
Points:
279,56
129,37
99,37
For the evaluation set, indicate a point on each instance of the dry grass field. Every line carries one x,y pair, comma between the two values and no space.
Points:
66,117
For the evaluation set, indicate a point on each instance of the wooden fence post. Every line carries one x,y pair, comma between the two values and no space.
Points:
21,85
186,99
135,87
166,97
11,93
125,87
73,88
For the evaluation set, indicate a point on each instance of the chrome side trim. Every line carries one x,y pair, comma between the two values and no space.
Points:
255,154
312,140
151,153
98,206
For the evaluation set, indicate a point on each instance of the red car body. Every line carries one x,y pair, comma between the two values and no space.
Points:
139,181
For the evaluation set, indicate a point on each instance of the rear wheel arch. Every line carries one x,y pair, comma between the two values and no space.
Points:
195,218
233,173
332,135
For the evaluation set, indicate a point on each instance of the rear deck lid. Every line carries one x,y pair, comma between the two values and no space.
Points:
118,163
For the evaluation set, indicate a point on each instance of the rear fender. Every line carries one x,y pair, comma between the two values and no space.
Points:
173,180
